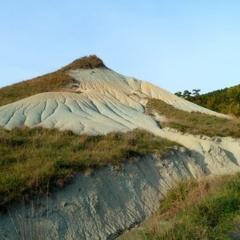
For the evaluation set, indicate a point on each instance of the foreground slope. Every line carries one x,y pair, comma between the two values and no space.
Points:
205,209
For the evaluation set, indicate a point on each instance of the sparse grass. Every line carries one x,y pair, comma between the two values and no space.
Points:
50,82
194,122
209,209
33,158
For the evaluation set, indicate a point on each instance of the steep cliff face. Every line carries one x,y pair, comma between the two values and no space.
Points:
109,201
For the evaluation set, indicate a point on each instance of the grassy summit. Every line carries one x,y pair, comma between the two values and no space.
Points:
88,62
194,122
50,82
32,159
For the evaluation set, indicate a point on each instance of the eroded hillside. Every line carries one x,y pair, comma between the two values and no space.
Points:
97,112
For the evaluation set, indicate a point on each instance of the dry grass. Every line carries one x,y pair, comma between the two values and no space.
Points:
88,62
50,82
205,210
33,158
194,122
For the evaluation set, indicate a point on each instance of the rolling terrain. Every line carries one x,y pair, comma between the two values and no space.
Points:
93,152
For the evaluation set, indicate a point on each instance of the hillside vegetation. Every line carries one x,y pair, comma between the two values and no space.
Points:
50,82
225,100
35,159
193,122
209,209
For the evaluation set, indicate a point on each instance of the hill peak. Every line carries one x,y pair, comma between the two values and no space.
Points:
87,62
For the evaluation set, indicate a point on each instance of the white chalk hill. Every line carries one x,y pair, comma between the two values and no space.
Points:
98,102
104,204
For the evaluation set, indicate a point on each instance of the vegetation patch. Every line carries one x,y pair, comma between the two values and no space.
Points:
88,62
226,100
193,122
209,209
32,160
54,81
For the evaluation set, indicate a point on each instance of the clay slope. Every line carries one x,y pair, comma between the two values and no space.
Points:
98,101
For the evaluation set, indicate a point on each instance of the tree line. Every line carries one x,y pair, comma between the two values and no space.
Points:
225,100
187,94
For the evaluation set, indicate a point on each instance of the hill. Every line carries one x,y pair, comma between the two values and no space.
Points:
94,152
85,97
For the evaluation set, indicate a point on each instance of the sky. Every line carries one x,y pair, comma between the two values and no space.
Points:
175,44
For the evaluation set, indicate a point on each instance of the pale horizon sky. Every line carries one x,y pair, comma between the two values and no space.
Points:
174,44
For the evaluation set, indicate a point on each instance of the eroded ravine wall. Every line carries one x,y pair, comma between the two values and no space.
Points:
110,200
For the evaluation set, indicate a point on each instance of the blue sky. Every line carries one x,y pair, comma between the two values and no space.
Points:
175,44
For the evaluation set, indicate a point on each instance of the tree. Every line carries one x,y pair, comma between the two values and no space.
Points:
196,92
186,94
179,94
